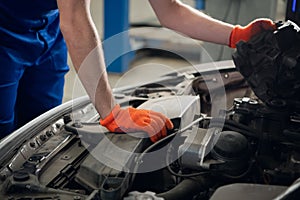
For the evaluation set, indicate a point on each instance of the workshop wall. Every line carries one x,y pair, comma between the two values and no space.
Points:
239,12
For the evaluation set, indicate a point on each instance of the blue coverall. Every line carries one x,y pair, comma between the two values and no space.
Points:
33,61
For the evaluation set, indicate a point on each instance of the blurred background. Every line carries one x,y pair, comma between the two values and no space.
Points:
160,49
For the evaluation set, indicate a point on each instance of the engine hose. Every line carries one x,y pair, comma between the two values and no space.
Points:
186,189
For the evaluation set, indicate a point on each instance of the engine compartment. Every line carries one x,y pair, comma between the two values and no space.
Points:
227,144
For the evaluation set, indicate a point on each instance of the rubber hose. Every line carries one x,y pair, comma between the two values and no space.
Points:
186,190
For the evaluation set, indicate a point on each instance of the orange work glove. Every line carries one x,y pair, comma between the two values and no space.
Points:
244,33
132,120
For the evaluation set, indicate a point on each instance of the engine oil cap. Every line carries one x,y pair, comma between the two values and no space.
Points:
21,176
231,145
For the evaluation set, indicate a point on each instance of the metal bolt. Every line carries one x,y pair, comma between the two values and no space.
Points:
66,157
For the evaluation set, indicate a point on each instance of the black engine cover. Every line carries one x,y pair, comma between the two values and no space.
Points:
270,62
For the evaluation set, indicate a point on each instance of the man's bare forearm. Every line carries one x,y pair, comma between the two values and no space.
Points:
182,18
86,52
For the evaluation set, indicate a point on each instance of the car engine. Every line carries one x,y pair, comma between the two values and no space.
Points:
236,136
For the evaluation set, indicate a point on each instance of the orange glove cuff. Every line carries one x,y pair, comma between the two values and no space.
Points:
110,118
236,35
245,33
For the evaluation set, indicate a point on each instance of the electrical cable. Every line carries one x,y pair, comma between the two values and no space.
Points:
179,174
242,174
201,118
238,127
186,175
163,140
207,172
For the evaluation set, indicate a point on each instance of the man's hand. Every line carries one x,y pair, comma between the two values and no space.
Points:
244,33
132,120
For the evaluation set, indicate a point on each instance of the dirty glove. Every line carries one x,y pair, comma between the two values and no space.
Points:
244,33
132,120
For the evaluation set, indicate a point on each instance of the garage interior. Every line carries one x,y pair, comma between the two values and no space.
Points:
161,49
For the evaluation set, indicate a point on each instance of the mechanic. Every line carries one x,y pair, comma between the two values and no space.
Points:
33,51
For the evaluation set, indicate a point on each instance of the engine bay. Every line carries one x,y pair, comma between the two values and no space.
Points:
230,141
